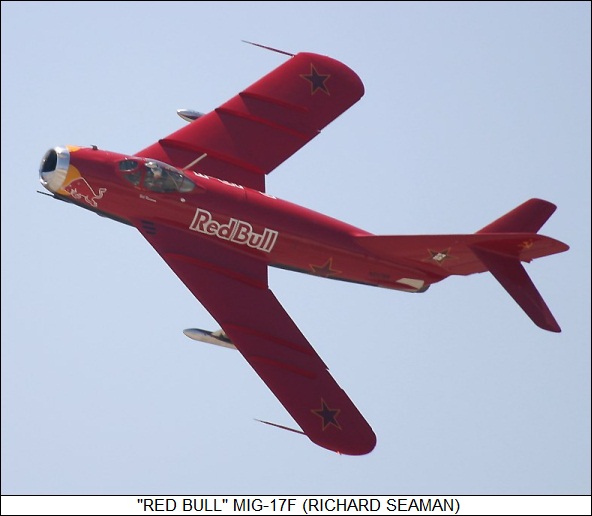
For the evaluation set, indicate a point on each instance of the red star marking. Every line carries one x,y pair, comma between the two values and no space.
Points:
326,270
439,256
317,80
329,416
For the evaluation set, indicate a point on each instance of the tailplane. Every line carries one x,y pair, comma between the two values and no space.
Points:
511,275
529,217
500,248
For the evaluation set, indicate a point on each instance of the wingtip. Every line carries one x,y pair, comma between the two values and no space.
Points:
550,325
362,444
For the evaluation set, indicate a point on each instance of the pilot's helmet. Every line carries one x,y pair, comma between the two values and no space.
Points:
154,168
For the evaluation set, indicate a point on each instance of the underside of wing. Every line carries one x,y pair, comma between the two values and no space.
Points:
233,288
252,133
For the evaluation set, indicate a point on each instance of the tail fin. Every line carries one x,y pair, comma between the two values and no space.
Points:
512,276
529,217
499,248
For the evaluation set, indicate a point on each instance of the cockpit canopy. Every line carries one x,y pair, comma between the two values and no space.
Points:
155,176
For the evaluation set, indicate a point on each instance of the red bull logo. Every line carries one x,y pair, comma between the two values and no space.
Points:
237,231
80,189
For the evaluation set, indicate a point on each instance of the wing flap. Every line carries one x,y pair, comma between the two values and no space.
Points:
266,336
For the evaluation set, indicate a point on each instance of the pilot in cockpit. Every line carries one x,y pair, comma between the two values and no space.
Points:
154,177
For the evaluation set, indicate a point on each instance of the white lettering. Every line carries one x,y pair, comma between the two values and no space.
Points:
237,231
201,217
231,184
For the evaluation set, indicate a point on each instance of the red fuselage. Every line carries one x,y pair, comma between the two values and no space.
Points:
278,232
198,197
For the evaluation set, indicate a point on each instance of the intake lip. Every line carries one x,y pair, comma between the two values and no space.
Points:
54,168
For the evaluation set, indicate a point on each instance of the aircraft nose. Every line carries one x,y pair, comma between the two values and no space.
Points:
54,167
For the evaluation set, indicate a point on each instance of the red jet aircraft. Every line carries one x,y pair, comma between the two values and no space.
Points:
198,196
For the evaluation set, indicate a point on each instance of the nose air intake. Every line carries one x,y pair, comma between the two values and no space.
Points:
54,168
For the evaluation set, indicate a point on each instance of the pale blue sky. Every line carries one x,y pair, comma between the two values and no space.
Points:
470,109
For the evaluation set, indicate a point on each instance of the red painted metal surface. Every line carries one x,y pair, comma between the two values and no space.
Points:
198,197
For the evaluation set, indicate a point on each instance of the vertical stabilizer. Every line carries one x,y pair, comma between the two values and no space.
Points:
529,217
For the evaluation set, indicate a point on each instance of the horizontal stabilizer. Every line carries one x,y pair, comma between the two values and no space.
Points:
499,248
512,276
